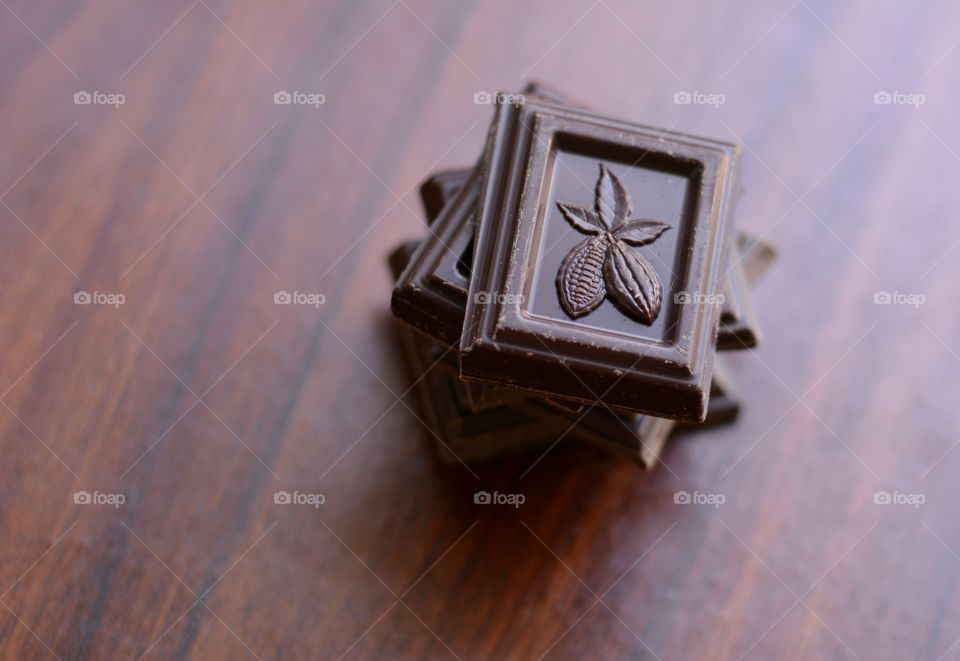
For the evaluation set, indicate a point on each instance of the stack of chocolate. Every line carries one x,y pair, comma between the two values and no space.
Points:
576,285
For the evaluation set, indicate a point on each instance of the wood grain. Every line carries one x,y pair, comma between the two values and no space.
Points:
197,398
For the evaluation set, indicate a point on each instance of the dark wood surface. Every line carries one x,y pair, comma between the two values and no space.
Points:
198,398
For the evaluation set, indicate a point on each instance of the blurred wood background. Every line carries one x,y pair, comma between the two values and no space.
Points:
195,399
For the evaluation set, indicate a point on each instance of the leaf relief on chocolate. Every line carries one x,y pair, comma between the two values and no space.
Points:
606,262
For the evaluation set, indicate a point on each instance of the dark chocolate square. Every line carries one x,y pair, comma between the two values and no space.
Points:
517,332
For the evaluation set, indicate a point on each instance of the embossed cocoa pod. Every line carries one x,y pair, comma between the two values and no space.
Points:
605,262
580,278
632,283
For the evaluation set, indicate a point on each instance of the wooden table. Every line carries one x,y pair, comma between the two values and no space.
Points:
181,198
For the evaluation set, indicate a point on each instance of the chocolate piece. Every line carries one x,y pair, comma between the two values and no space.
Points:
738,325
516,331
